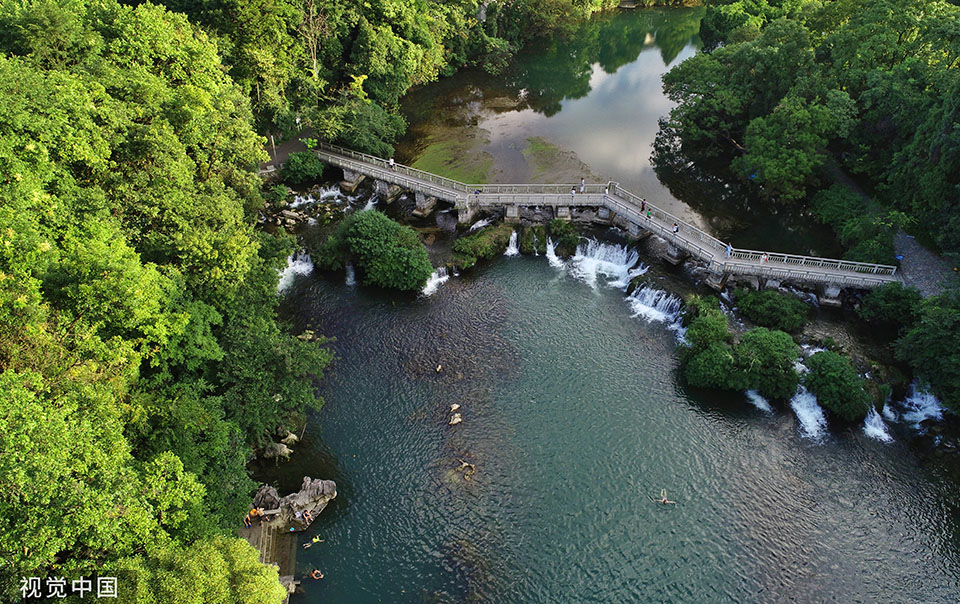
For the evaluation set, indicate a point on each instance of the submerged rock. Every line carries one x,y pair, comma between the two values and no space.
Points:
296,510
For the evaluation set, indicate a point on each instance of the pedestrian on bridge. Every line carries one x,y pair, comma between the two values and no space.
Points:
606,191
573,193
676,228
583,184
643,204
729,250
393,165
648,214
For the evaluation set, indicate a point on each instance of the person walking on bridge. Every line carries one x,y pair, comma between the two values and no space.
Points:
393,164
606,191
643,204
583,184
676,228
573,193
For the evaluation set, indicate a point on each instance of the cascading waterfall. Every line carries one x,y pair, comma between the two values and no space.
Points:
813,422
351,275
655,305
920,405
438,278
371,203
331,193
476,226
757,400
552,255
512,249
874,427
297,264
302,200
616,262
535,252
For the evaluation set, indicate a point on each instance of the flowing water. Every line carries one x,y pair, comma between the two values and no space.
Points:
574,417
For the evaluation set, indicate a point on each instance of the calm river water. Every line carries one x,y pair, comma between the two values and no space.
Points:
574,418
589,105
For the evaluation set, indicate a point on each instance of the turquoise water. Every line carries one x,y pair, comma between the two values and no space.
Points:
574,417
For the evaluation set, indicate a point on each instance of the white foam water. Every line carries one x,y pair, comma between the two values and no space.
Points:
512,249
297,264
351,275
874,427
302,200
331,193
371,203
535,252
889,413
552,258
438,278
920,405
615,262
813,422
655,305
757,400
476,226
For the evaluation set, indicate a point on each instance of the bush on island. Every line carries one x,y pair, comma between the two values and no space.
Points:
766,358
485,244
387,253
772,309
837,385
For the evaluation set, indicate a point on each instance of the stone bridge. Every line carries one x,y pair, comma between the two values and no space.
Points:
615,204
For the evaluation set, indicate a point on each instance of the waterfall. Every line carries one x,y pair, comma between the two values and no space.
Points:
371,203
552,256
438,278
297,264
476,226
535,252
758,401
813,423
302,200
655,305
616,262
331,193
920,405
351,275
874,427
512,249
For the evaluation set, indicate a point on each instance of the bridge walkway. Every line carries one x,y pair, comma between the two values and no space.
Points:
623,205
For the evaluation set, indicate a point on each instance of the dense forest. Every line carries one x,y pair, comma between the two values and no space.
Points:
141,353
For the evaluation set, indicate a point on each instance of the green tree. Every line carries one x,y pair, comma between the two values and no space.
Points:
770,308
891,305
388,254
765,358
838,387
930,346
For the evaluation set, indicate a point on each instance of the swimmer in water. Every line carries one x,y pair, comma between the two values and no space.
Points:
663,498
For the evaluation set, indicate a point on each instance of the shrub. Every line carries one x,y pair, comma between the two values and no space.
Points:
772,309
712,367
387,253
485,244
765,358
301,168
837,385
891,305
565,237
709,327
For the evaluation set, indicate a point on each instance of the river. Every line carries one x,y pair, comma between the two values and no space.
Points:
574,418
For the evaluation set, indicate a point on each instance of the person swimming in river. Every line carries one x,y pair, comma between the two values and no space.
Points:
316,574
663,498
312,542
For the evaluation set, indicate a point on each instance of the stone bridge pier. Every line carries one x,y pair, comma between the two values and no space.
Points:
386,191
351,180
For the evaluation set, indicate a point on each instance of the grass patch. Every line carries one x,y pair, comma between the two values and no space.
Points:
457,160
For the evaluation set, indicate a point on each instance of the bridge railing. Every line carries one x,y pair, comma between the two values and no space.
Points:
814,262
399,178
384,165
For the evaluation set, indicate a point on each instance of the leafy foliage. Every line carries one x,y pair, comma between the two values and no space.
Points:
772,309
301,167
387,254
838,387
765,358
787,91
140,351
891,305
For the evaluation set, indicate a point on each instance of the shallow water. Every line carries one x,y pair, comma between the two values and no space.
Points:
574,417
